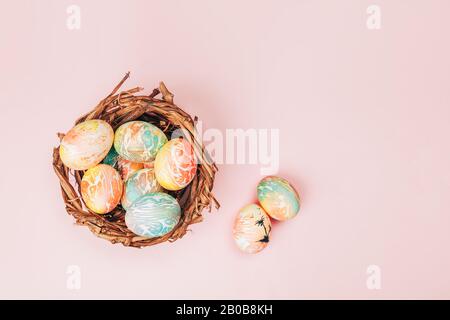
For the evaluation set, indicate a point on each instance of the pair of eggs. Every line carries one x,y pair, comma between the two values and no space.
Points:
278,200
149,215
174,161
90,142
149,211
146,161
102,187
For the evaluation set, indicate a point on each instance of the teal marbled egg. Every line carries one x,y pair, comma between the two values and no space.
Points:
139,183
139,141
111,158
153,215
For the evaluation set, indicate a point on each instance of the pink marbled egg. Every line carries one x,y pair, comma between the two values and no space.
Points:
252,228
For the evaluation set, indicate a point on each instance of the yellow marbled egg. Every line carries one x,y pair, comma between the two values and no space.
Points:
86,144
175,164
101,188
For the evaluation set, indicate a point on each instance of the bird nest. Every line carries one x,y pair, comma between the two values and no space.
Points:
157,108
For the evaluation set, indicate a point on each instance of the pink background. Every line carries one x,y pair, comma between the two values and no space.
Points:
364,123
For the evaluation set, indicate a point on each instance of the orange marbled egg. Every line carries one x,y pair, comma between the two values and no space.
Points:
127,168
101,188
175,164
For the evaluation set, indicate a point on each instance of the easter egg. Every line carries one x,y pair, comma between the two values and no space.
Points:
149,165
139,141
127,168
86,144
111,158
252,229
140,183
101,188
175,164
153,215
278,197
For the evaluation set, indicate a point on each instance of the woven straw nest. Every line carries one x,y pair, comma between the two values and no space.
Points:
116,109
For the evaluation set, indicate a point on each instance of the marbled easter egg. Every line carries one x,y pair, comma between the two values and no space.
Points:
175,164
149,165
111,158
252,229
153,215
139,141
278,197
86,144
127,168
141,182
101,188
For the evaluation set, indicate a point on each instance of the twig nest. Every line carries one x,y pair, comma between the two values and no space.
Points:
142,125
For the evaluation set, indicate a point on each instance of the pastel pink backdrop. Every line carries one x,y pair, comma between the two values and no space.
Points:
364,125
